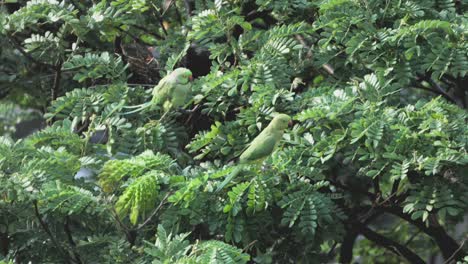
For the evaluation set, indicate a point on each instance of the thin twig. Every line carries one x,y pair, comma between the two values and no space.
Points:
187,8
456,251
249,245
329,254
66,228
124,227
167,8
57,77
154,34
438,89
163,201
389,244
27,55
48,232
412,237
395,185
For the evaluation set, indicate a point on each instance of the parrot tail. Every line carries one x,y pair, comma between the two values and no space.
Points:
137,108
229,178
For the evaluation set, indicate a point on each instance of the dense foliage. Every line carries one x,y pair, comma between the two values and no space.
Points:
375,166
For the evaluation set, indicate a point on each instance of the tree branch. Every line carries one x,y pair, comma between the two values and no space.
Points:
346,249
437,88
154,34
159,16
418,86
28,56
188,8
57,77
446,244
47,230
66,228
389,244
125,229
396,184
154,212
4,243
456,252
370,195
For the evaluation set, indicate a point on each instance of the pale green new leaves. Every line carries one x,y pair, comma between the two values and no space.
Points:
138,197
169,248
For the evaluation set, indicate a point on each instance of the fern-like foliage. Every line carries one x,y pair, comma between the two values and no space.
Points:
217,251
115,171
93,67
68,200
435,199
167,248
377,94
176,249
138,197
308,210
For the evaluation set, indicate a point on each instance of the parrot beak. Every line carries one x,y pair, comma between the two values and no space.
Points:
291,124
191,78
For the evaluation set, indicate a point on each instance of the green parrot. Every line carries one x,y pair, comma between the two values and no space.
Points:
172,91
262,145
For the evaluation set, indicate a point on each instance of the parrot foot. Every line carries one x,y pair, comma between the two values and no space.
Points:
191,111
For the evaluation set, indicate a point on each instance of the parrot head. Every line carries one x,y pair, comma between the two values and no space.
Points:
182,75
280,122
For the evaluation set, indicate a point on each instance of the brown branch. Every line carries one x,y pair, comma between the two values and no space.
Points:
188,9
346,249
376,185
154,212
159,16
57,77
125,229
49,233
28,56
447,245
396,184
412,238
249,245
389,244
4,243
167,8
418,86
437,88
370,195
135,38
154,34
66,228
455,253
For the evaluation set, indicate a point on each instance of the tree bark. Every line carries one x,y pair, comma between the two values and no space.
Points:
346,250
390,245
447,245
58,76
4,243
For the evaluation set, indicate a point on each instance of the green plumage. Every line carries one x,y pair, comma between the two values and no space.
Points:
262,146
171,92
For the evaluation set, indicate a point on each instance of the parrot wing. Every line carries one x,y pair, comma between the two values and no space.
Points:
180,93
163,91
262,146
